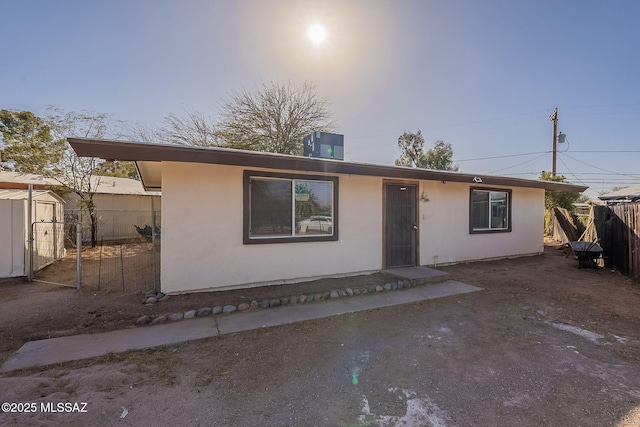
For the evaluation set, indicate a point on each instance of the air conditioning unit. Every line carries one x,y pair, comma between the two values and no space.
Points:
324,145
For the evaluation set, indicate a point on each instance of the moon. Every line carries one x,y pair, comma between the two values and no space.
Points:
317,34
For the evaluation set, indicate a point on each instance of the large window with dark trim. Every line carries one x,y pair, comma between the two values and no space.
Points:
490,210
289,207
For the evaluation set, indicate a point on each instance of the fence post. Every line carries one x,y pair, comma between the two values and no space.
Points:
79,256
30,236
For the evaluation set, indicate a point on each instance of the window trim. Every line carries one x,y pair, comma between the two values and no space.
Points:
246,213
490,230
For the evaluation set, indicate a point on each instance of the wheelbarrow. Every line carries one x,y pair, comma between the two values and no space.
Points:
586,253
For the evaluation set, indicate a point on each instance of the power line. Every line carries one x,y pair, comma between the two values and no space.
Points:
596,167
501,157
519,164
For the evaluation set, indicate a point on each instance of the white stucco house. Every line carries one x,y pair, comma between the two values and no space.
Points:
236,219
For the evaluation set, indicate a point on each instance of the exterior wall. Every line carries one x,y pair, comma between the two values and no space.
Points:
444,225
203,233
13,238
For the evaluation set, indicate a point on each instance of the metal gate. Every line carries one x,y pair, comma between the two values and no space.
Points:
49,241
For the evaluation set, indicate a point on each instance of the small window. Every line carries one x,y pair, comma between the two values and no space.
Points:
490,210
289,208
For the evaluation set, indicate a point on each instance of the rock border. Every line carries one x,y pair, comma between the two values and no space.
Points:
151,297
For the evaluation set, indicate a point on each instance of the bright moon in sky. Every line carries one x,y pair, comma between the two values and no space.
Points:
317,34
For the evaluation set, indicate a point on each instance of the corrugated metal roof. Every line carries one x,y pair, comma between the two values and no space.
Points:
10,194
101,184
627,193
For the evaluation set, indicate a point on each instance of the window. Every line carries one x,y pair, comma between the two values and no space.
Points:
490,210
289,208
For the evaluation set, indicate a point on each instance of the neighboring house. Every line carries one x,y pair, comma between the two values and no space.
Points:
121,203
624,195
46,209
237,219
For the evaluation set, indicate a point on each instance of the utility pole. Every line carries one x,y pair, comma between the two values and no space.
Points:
554,118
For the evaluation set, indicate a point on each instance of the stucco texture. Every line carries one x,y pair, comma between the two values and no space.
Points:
203,231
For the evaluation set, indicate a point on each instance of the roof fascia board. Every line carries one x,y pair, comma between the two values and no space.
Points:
137,151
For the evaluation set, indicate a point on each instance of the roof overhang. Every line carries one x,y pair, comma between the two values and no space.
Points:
149,158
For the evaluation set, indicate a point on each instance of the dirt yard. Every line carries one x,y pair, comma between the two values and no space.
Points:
544,344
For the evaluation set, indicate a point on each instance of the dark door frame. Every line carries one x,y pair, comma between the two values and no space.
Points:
416,184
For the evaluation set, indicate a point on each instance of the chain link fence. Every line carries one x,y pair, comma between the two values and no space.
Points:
126,257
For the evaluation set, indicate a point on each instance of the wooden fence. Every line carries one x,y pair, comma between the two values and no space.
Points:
618,231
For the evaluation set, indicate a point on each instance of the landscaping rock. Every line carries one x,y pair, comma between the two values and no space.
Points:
217,309
378,289
349,291
190,314
285,301
364,291
243,306
310,298
400,284
356,292
175,316
294,299
264,303
160,319
334,295
318,297
254,304
387,286
150,294
326,295
275,302
342,293
204,312
372,289
229,308
144,320
394,286
151,300
302,299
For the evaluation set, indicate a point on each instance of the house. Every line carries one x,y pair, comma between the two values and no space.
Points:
625,195
48,245
121,203
235,218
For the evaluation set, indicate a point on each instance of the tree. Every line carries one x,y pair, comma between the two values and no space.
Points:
562,199
412,154
275,119
79,175
411,146
28,143
439,157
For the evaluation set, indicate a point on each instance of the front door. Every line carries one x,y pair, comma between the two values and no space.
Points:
401,226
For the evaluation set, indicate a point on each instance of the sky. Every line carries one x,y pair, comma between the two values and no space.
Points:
482,75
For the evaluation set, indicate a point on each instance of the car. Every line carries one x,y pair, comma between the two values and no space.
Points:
316,224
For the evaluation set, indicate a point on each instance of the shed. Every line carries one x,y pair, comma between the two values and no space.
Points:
234,219
47,212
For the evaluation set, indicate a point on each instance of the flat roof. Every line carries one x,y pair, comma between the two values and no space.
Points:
149,158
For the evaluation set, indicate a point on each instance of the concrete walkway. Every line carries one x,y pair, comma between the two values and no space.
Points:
77,347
